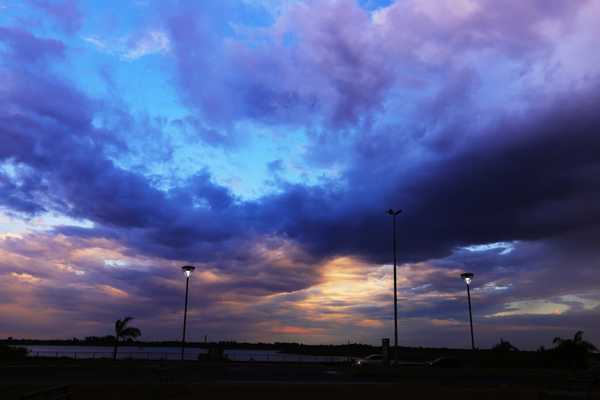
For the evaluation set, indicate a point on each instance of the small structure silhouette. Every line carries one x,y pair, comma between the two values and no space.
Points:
504,346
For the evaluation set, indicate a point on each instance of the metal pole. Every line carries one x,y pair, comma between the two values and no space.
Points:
470,318
395,298
187,282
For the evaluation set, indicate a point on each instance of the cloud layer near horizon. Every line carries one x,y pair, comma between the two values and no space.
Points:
289,130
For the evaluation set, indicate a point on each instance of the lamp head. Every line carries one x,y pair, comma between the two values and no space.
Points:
392,212
467,277
187,270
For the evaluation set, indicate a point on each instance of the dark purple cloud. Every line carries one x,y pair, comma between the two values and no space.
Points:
542,171
534,179
326,72
308,69
66,13
25,48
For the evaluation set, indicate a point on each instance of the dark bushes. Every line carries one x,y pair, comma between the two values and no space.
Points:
8,353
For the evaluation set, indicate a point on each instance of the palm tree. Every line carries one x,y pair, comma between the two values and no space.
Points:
124,331
575,350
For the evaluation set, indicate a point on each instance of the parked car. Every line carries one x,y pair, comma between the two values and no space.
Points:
373,359
445,362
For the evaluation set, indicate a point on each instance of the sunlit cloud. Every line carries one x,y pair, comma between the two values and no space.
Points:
505,247
112,291
134,47
12,224
587,303
25,277
296,330
532,307
152,42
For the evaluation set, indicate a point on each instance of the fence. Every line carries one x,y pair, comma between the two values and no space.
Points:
189,355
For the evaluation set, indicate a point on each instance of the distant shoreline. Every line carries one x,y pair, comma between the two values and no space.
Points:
292,348
354,349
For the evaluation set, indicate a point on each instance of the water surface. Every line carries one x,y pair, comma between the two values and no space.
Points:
169,353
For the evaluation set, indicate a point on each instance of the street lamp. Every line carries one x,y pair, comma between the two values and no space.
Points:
187,270
394,214
468,277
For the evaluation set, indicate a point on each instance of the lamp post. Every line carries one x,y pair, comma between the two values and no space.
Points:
468,277
187,270
394,214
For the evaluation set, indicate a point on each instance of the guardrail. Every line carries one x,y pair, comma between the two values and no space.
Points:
121,355
159,356
54,393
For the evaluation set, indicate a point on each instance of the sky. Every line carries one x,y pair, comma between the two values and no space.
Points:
262,141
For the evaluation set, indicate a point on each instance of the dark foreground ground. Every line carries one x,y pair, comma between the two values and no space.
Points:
306,391
132,380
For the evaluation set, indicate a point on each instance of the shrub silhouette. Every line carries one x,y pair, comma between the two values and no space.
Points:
573,352
8,353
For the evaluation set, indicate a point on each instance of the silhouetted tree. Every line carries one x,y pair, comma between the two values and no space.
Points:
124,331
504,346
575,351
8,353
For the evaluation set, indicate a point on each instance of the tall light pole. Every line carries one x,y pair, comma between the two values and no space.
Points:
187,270
394,214
468,277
